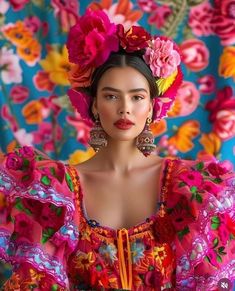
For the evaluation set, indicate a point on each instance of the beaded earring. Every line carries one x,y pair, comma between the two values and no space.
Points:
145,141
98,137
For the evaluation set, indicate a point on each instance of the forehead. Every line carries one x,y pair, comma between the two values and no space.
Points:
124,79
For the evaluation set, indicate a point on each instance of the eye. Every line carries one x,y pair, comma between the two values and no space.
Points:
111,97
138,97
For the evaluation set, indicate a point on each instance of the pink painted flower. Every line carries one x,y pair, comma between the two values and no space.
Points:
19,93
200,17
33,23
4,6
92,39
162,57
147,5
18,4
14,161
82,127
23,138
11,71
191,178
47,136
207,84
224,125
195,54
66,12
159,16
223,21
6,115
187,100
42,81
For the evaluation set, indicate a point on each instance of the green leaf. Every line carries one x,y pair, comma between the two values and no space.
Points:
193,189
205,173
200,166
182,184
54,287
47,234
46,180
183,232
214,226
69,181
215,242
26,163
25,178
218,180
215,219
52,170
219,259
199,198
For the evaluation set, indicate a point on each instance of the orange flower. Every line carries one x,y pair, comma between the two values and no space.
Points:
182,140
211,143
227,63
122,7
80,77
13,283
30,52
158,128
17,33
84,261
32,112
176,109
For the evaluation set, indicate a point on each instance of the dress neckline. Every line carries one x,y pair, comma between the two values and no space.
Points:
165,171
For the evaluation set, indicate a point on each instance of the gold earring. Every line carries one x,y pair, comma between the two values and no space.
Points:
145,141
98,137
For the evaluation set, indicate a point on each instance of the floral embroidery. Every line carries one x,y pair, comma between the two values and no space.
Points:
108,252
137,251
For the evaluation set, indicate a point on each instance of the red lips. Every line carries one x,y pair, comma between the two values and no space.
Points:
123,123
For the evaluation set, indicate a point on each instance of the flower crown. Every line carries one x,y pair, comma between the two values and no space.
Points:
91,41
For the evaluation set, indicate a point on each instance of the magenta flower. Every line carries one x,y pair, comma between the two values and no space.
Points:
162,57
23,225
216,169
14,162
19,93
92,39
207,84
191,178
26,152
211,187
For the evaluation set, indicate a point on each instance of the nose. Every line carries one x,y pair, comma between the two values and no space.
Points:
124,107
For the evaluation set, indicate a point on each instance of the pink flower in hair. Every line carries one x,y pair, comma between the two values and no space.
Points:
162,57
92,39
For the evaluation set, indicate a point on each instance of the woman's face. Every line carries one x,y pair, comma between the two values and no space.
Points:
123,94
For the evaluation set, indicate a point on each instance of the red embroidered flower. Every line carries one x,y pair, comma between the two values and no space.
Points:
164,230
191,178
92,39
14,162
216,169
153,279
23,225
136,38
99,276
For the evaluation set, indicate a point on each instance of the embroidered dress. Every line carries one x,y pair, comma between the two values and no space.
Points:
188,244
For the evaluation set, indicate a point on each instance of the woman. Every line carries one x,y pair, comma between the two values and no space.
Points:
126,219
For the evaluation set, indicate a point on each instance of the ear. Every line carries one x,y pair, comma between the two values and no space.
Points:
94,108
151,108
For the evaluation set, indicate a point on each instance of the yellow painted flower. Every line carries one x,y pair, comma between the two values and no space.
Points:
32,112
227,62
56,64
17,33
211,143
30,52
80,156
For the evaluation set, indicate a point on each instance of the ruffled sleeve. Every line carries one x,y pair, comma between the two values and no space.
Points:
202,208
38,227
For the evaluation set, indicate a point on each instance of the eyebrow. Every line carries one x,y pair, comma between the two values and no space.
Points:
130,91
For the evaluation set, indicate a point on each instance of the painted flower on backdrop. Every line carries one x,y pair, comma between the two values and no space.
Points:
42,82
195,54
223,21
222,113
187,100
207,84
227,62
19,94
57,66
34,112
18,5
66,12
200,17
120,12
23,138
10,69
4,6
185,133
28,48
211,144
7,116
47,136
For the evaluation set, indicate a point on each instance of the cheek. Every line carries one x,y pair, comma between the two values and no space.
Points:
142,110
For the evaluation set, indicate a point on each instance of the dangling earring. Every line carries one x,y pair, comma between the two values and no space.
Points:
97,136
145,141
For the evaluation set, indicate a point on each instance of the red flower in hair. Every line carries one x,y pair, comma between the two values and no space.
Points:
135,38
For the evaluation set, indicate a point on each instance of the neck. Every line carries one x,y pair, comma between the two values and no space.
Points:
121,156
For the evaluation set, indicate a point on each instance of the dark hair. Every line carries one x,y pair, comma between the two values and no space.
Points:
120,60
